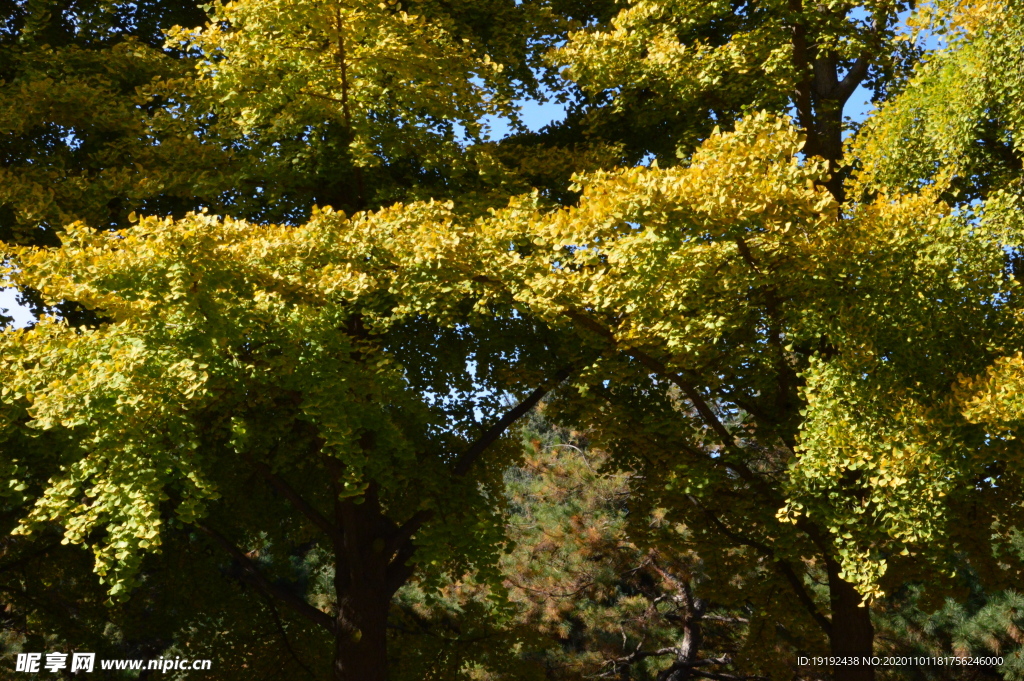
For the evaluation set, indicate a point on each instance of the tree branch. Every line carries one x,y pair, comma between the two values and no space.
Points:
404,533
293,601
739,468
659,368
854,77
300,504
785,376
679,664
801,68
782,566
465,460
724,677
727,620
398,570
21,560
284,636
859,71
398,545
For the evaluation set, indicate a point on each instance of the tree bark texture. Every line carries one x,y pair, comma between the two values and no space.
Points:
689,647
360,651
363,591
852,632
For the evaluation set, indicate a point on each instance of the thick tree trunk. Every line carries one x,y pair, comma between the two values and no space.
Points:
373,555
361,647
852,632
363,592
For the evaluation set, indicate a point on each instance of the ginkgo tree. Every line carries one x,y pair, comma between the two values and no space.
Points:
659,75
792,375
296,353
161,108
101,122
355,104
322,361
82,136
901,276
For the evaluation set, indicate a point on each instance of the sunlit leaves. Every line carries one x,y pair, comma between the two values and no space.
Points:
210,322
396,82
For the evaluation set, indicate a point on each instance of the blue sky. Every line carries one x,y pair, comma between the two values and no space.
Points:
20,314
538,114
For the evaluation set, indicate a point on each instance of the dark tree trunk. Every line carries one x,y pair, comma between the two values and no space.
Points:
373,555
363,590
360,651
852,632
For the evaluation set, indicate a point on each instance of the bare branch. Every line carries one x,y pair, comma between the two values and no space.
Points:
727,620
661,652
465,460
293,601
859,71
300,504
399,544
725,677
658,368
